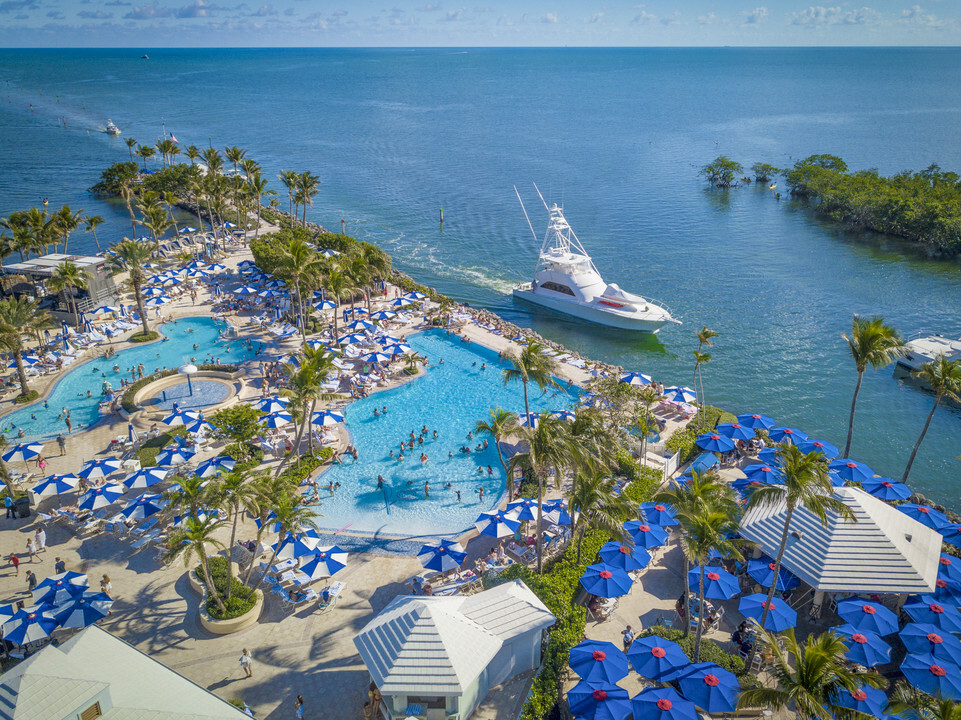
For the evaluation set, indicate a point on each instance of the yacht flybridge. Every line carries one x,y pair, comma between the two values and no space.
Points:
567,281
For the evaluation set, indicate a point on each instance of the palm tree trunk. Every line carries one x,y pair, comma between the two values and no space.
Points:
230,549
140,307
508,476
777,570
687,596
7,480
854,404
250,569
310,436
300,310
210,583
697,399
21,372
94,230
273,557
580,539
540,492
700,615
298,438
917,445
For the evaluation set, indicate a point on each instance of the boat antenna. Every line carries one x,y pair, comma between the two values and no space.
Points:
525,213
541,197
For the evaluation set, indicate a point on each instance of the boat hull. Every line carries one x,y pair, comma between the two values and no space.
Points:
583,312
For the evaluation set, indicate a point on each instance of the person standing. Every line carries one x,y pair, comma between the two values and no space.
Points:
40,535
106,586
15,561
59,566
299,707
31,549
31,581
245,662
8,504
628,636
373,693
62,443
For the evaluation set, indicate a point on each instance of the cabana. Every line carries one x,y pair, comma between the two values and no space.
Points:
437,657
884,552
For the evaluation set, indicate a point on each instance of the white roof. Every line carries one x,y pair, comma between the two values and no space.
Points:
439,645
885,551
59,682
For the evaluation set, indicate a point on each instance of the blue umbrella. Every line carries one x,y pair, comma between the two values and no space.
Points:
606,581
680,394
719,584
277,419
159,300
329,557
295,546
735,431
388,340
556,513
864,648
646,535
100,497
326,418
29,625
624,557
780,616
375,357
181,417
828,450
143,507
927,516
496,524
769,455
762,570
215,466
926,609
886,489
931,675
145,477
449,555
851,470
746,486
361,325
868,616
658,514
636,378
598,661
245,290
414,295
383,315
865,699
764,473
756,421
710,687
524,510
949,568
58,593
656,657
924,638
324,305
663,703
704,462
23,451
351,338
198,425
598,701
173,456
69,577
83,610
782,434
99,468
397,349
951,533
55,484
715,442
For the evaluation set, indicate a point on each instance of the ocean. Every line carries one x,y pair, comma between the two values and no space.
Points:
616,136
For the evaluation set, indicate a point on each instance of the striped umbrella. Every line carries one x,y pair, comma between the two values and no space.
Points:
145,477
94,469
173,456
143,507
100,497
29,625
215,466
326,418
55,484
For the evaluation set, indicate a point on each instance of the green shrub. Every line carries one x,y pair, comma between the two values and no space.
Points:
127,403
147,453
644,487
248,456
142,337
297,471
684,441
26,397
238,603
114,176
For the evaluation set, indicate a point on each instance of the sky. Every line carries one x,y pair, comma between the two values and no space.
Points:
473,23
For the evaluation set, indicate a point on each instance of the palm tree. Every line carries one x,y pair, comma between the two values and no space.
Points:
705,337
258,188
7,247
307,188
289,180
339,286
874,343
298,261
145,151
943,376
532,364
192,153
192,540
132,255
594,502
264,489
291,517
304,388
64,222
171,200
804,482
19,316
42,227
237,493
808,677
549,447
64,279
912,704
234,155
131,144
501,424
128,194
377,266
91,222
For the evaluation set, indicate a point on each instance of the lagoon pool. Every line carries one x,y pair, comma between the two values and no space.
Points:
44,419
449,398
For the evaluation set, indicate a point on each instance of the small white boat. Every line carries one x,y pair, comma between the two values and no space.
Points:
567,281
922,350
111,129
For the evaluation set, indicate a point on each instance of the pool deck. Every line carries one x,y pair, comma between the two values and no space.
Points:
303,652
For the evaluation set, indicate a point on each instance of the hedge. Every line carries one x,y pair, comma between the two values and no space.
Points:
142,337
127,403
644,486
26,397
684,441
239,602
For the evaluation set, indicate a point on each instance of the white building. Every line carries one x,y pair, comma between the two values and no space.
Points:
96,675
437,657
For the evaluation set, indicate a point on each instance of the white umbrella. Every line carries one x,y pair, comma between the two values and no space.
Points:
99,468
145,477
156,301
326,418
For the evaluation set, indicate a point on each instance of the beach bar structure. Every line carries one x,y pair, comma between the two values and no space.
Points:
884,552
100,290
437,657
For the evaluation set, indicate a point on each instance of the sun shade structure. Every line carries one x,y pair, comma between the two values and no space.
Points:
453,649
885,551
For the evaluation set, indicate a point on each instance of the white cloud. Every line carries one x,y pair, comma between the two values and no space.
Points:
429,7
596,17
672,19
454,15
756,16
549,19
708,19
643,18
819,16
915,16
94,15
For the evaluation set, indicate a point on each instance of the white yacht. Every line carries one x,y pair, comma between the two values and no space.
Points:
567,281
923,350
110,128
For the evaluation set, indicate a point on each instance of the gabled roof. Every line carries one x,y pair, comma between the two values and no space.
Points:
885,551
439,645
60,681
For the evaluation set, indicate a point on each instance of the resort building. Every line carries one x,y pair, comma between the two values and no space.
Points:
100,289
437,657
96,675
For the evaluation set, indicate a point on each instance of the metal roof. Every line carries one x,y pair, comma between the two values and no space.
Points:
885,551
439,645
45,265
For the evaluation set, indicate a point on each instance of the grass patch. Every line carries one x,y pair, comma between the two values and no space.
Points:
142,337
238,604
147,454
26,397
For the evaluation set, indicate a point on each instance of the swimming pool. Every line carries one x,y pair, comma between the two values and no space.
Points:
449,398
44,419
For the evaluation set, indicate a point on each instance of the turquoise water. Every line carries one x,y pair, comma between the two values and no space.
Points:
45,419
616,136
198,394
449,398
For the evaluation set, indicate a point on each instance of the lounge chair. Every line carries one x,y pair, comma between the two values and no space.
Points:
329,596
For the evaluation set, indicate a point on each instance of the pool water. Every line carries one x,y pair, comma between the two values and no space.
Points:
44,419
449,398
199,394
